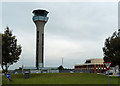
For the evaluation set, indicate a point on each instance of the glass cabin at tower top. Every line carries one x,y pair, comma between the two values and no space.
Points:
40,12
40,15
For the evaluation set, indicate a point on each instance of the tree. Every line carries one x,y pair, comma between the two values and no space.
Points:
112,49
60,67
10,50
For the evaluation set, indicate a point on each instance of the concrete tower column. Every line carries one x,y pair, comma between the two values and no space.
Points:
40,18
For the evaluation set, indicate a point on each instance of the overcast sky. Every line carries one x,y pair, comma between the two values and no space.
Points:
75,31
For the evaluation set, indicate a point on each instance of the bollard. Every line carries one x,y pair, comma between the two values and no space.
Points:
26,75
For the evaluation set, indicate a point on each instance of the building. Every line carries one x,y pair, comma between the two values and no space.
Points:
42,70
91,65
40,18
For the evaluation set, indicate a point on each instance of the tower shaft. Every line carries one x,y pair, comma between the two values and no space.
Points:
40,44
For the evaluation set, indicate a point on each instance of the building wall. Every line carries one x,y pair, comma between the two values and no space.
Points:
96,68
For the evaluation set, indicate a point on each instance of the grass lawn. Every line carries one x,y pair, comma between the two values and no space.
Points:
61,78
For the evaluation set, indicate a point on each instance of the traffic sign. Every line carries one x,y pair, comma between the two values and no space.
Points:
8,76
107,65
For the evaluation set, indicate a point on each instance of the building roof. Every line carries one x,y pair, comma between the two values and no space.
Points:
92,62
88,64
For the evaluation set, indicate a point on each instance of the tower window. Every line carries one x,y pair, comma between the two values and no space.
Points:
37,34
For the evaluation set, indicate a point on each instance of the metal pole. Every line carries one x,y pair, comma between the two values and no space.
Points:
22,68
87,68
55,78
62,61
118,80
108,77
8,82
118,77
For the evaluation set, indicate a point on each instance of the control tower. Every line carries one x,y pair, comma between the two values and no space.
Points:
40,18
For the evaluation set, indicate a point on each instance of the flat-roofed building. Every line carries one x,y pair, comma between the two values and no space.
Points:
91,65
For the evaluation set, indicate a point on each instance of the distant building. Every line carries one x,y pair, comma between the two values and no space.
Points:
42,70
45,68
91,65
